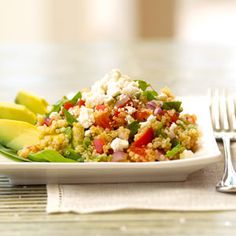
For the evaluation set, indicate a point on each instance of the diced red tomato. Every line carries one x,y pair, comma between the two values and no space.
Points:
81,103
47,121
141,115
98,144
100,107
122,102
145,138
103,120
175,117
141,151
67,105
116,113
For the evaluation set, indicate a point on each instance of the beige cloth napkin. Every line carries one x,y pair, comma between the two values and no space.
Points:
196,194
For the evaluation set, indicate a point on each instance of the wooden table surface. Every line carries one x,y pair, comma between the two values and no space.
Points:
55,70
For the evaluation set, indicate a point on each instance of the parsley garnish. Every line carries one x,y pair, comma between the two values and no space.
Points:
70,119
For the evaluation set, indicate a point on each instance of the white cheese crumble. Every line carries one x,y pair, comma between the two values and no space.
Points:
129,119
186,154
54,115
172,130
87,132
86,117
150,119
130,110
119,144
111,85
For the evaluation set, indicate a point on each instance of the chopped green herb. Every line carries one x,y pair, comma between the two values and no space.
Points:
150,94
143,85
133,127
72,154
74,100
70,119
49,156
176,105
57,106
174,151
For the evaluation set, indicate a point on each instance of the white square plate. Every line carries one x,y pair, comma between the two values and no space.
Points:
110,172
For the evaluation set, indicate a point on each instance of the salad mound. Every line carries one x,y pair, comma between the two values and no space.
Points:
118,119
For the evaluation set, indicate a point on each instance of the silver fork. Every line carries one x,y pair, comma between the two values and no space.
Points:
224,123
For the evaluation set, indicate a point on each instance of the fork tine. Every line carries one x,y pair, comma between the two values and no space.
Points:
215,109
231,110
224,111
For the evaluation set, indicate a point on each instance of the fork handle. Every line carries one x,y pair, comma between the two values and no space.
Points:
228,166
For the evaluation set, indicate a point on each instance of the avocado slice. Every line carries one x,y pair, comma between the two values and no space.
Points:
16,112
16,134
32,102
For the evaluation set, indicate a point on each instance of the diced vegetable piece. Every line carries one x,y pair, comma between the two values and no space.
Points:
70,153
103,120
68,105
174,151
141,151
81,103
151,105
118,156
133,127
175,117
47,121
49,156
145,138
98,144
100,107
176,105
141,115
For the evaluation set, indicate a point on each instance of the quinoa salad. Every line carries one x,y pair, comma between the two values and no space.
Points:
120,120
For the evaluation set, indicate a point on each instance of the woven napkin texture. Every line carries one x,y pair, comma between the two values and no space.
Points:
197,193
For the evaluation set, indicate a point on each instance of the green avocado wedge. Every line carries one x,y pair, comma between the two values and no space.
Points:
34,103
18,134
13,111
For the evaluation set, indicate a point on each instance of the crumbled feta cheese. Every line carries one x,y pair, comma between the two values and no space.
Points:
119,144
54,115
87,132
113,89
130,88
94,99
186,154
172,130
86,117
150,119
130,109
129,119
74,111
